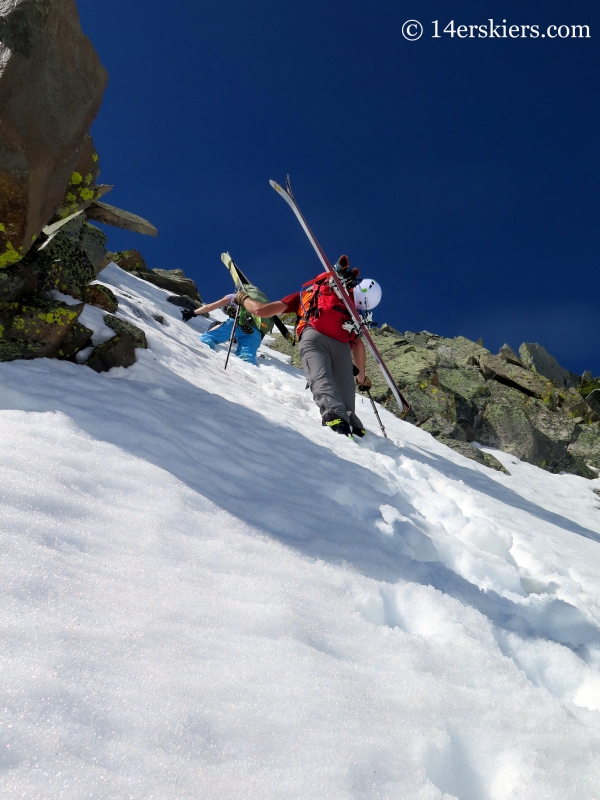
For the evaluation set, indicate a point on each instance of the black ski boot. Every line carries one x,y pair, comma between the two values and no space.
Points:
338,425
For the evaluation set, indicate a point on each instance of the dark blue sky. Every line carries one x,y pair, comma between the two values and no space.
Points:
462,174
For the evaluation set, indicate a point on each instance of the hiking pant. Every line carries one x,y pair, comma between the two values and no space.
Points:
247,343
327,365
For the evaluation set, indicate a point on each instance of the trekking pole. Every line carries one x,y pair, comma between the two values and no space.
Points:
232,337
376,413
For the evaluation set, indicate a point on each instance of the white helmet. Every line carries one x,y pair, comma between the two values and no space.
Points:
367,295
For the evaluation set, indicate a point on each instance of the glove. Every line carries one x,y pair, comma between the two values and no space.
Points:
364,387
240,296
187,314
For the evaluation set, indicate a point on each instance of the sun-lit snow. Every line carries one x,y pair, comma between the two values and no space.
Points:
205,594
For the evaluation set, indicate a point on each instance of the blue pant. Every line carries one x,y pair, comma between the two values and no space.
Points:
247,345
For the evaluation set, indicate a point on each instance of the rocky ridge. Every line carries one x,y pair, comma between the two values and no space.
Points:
465,396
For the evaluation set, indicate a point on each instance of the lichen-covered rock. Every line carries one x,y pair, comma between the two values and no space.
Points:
70,258
504,424
48,324
63,265
510,374
538,359
130,260
173,280
573,405
11,349
469,389
585,443
525,427
35,331
16,281
593,402
474,454
93,243
51,87
552,435
78,338
101,297
588,384
116,352
121,326
82,189
459,352
508,354
574,464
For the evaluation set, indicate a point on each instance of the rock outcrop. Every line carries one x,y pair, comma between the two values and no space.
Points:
110,215
173,280
120,350
51,87
129,260
464,395
101,297
35,331
538,360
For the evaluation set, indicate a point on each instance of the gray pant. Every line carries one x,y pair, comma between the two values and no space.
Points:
327,365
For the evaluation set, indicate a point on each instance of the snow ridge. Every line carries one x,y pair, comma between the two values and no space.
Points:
206,594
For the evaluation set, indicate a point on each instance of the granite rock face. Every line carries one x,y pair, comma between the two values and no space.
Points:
51,87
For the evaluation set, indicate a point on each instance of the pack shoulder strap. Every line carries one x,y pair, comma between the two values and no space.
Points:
312,310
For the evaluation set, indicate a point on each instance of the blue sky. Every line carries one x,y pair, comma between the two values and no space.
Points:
462,174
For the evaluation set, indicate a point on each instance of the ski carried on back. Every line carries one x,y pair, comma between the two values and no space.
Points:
359,326
241,281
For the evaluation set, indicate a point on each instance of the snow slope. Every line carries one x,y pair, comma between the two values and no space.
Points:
205,594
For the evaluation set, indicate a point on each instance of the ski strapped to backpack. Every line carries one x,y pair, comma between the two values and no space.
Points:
359,326
241,281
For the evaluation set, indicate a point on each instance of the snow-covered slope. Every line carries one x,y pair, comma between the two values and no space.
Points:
205,594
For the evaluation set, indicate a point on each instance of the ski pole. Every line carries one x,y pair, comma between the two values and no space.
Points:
376,413
232,337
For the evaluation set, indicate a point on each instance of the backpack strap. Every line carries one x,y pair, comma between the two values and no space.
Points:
305,313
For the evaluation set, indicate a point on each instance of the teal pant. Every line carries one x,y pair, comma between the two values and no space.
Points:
247,343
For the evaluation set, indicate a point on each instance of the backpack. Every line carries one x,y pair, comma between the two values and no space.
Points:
264,325
326,312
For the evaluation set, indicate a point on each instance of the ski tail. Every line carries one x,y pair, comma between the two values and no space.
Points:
241,280
234,270
361,328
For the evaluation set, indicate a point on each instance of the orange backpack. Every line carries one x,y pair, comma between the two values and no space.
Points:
323,309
